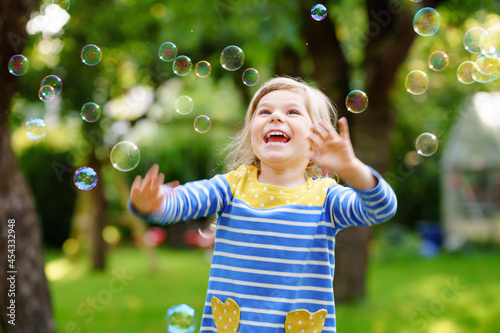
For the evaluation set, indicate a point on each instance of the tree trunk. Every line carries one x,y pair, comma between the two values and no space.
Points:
388,40
99,218
23,283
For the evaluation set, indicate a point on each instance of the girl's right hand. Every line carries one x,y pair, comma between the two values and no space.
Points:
146,195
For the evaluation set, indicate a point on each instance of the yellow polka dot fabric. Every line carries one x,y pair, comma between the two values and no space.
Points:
246,187
226,315
302,321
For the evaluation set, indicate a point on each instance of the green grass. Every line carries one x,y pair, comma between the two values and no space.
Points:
445,294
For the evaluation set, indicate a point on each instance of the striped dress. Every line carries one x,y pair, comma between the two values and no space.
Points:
274,246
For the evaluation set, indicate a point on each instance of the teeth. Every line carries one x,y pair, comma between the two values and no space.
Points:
276,133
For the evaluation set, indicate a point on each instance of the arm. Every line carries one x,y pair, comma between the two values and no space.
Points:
157,202
352,207
370,199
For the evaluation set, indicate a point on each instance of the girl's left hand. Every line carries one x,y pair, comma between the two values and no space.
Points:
334,152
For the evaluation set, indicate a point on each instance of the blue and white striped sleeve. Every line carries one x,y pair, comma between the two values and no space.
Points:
190,201
351,207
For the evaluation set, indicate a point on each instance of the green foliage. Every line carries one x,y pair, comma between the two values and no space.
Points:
55,210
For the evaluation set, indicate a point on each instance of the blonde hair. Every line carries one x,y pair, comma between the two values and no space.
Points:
319,106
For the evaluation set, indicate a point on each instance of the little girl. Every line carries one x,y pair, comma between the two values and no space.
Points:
277,212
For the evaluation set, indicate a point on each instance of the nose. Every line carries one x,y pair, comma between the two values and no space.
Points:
276,116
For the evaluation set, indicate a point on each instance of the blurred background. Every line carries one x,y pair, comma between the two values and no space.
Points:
93,267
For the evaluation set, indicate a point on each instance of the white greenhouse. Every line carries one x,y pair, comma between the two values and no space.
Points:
471,172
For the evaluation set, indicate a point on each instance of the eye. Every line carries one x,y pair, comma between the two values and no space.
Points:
293,112
264,112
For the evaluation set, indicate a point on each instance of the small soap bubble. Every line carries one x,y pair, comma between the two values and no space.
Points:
125,156
85,178
54,81
482,78
487,63
232,58
18,65
91,55
167,51
203,69
416,0
90,112
464,72
46,93
182,65
426,144
184,105
64,4
472,39
438,61
426,21
416,82
181,319
490,40
250,77
202,124
356,101
318,12
35,129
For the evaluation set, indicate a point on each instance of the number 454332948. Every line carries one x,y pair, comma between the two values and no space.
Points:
11,245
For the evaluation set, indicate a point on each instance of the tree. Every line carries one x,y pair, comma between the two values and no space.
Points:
27,289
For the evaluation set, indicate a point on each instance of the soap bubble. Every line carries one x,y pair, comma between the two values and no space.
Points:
232,58
426,21
487,64
182,65
54,81
472,39
490,40
46,93
125,156
250,77
90,112
167,51
356,101
438,61
483,78
181,319
416,82
35,129
184,105
85,178
318,12
91,55
426,144
464,72
18,65
64,4
202,124
203,69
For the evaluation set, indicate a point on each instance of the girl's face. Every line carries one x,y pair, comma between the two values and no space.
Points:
279,129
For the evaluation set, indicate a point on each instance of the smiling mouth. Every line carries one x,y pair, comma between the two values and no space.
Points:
276,137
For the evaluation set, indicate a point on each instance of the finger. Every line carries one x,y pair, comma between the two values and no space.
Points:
173,183
160,179
327,130
150,178
315,141
319,130
344,129
136,185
